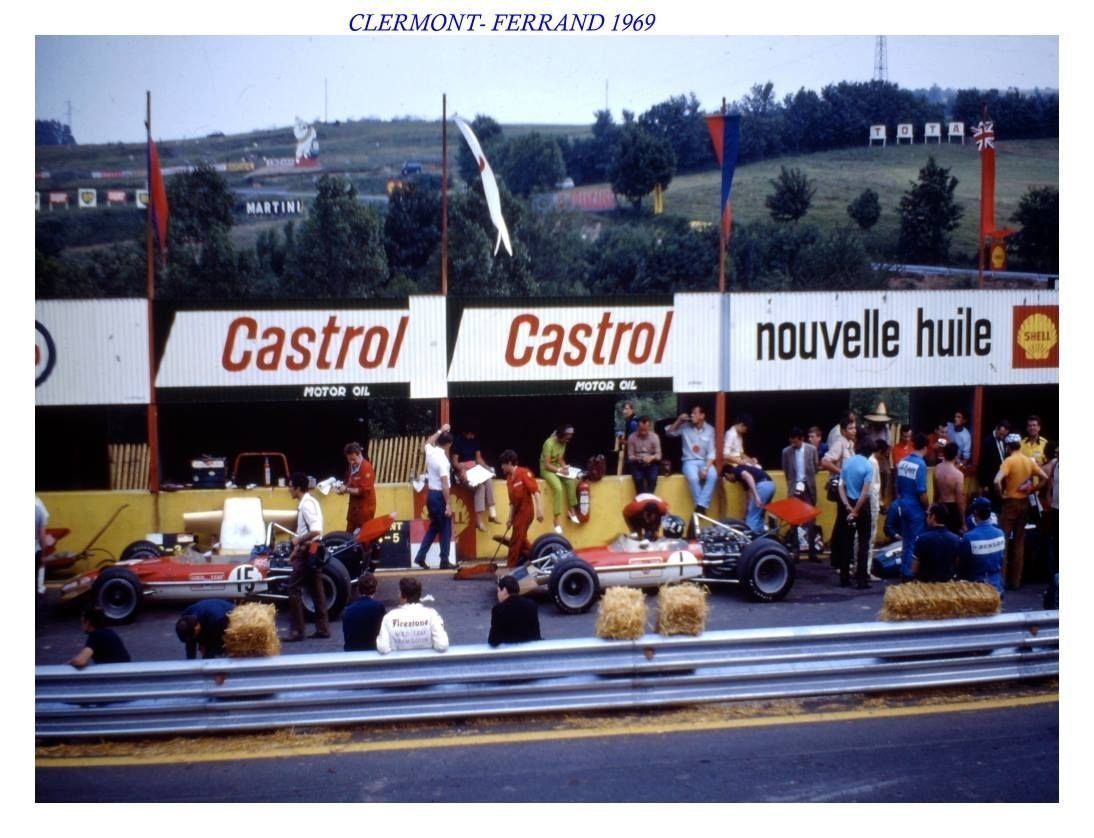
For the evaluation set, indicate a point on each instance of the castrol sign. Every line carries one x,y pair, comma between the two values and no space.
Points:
603,346
335,353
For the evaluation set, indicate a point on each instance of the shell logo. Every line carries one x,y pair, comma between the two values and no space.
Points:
1036,336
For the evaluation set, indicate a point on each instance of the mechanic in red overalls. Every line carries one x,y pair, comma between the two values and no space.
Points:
524,499
643,515
360,485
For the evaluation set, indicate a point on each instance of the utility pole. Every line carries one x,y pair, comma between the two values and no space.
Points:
68,117
325,119
881,59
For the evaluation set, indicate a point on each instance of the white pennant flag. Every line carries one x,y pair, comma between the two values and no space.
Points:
489,185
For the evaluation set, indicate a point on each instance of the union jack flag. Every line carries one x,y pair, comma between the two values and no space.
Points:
984,135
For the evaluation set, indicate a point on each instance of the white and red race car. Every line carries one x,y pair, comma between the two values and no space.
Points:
149,571
723,551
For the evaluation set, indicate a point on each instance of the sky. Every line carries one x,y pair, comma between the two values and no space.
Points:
239,83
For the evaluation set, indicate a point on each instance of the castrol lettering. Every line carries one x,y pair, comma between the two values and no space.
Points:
606,342
333,346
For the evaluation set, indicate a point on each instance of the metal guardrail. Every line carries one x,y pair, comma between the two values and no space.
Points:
1049,280
549,676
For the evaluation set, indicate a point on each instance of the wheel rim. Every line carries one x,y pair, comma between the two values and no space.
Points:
117,598
550,557
575,588
328,589
770,574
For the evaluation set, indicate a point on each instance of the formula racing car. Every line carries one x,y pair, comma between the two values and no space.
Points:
150,570
723,551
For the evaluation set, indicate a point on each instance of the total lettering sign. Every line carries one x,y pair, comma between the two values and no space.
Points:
90,352
864,339
599,346
327,353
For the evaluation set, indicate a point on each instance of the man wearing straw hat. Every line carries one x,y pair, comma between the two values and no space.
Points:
877,429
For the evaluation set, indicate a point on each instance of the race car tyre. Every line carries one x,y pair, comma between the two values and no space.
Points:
117,591
350,557
336,586
733,522
547,544
141,550
574,586
767,570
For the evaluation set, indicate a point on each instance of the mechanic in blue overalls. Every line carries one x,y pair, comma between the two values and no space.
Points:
911,496
982,549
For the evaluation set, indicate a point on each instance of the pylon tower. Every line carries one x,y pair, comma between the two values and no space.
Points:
881,60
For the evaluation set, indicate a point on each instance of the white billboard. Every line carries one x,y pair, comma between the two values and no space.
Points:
90,352
868,339
599,346
321,353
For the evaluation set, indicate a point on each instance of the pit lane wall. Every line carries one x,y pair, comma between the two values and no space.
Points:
84,513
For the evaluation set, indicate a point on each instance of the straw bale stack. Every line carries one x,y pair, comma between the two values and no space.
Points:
252,631
622,614
939,601
682,609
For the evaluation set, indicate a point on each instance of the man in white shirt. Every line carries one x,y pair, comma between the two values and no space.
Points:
438,467
411,625
733,448
309,529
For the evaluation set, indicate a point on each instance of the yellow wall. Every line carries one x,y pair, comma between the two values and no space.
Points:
86,512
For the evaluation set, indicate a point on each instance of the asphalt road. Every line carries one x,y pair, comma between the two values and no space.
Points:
964,746
815,599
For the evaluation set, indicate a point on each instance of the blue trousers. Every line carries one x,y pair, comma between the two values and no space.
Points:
701,494
439,525
913,520
754,517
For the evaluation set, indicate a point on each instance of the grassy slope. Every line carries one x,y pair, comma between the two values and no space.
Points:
841,175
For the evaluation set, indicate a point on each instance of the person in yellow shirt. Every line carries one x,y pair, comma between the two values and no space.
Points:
1015,482
1033,444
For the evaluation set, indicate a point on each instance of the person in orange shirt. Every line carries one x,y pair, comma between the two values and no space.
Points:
360,485
1014,481
524,499
905,447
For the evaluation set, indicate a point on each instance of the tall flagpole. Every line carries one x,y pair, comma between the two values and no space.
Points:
720,399
153,411
444,411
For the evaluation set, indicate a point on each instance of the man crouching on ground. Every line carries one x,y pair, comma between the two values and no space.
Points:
411,625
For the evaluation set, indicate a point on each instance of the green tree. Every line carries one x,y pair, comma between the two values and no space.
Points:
412,226
52,132
198,202
792,197
338,252
928,214
530,163
1037,243
865,210
641,163
679,121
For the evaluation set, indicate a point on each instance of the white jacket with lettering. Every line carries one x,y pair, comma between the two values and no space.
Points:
411,626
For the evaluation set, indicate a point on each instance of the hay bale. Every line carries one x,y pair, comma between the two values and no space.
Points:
622,614
939,601
682,609
252,631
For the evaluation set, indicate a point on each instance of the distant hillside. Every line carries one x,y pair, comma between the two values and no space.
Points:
840,176
370,152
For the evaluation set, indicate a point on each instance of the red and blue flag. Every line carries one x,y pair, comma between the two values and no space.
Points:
725,133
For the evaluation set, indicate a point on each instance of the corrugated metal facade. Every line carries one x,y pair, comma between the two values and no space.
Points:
864,339
427,347
91,352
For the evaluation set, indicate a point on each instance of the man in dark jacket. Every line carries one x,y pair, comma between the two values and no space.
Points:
202,625
936,548
361,621
514,619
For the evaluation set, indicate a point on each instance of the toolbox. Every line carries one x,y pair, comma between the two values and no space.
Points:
209,472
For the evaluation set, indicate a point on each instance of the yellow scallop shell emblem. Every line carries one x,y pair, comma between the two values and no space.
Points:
1037,336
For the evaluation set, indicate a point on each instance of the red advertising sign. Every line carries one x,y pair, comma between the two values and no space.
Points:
1036,337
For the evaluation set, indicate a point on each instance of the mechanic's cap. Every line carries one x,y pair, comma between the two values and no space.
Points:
1011,438
980,503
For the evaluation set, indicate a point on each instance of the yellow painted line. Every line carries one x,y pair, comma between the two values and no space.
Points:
451,741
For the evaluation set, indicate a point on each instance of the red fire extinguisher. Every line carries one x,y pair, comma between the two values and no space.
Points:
583,500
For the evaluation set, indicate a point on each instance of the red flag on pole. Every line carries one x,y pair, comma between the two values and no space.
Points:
157,197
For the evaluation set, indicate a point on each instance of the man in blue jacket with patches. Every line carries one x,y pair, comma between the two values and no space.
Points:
983,548
911,495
